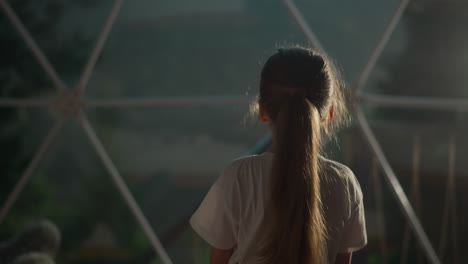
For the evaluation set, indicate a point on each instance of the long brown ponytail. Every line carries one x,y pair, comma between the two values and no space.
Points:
296,90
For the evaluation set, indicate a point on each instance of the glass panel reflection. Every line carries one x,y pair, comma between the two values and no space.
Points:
348,30
181,48
427,54
64,30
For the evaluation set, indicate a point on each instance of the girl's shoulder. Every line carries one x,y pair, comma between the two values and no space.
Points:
334,167
250,161
246,168
338,176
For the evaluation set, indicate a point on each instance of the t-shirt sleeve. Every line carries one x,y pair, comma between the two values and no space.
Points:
214,220
354,235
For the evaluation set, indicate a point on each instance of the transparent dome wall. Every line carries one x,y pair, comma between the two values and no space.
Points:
117,116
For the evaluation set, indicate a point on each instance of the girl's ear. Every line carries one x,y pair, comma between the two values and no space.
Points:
262,115
330,114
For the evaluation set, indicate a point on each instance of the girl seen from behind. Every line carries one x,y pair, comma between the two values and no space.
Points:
289,205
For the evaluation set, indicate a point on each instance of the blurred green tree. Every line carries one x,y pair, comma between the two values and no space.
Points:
22,77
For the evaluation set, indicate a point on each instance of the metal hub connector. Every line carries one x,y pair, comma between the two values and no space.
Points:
68,105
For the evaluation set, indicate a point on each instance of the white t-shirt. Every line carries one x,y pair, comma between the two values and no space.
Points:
233,209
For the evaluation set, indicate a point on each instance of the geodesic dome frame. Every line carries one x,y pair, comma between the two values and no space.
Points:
70,103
